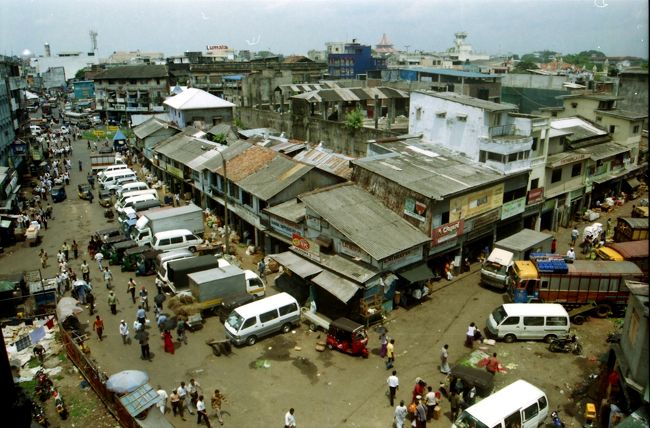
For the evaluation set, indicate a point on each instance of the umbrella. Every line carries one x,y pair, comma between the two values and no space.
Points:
66,307
159,298
169,324
141,334
79,283
126,381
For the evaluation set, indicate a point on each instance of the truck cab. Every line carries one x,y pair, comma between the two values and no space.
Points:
496,268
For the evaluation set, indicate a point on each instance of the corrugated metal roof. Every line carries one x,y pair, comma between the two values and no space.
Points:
351,94
231,151
429,170
149,127
336,285
603,150
287,147
452,72
134,72
185,148
635,222
296,264
292,210
637,249
625,114
273,177
470,101
364,220
248,162
333,163
361,273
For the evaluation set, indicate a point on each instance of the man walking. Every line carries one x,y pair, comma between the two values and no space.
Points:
182,394
124,332
144,346
112,302
140,315
98,326
390,354
393,386
217,400
131,289
400,415
108,278
193,390
201,413
162,404
420,413
261,268
444,360
177,406
98,258
85,271
574,236
431,401
290,419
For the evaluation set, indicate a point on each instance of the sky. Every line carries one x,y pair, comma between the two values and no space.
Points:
497,27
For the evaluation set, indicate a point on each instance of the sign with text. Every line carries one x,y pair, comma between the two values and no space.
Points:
535,195
353,250
284,227
415,209
473,204
305,246
217,47
512,208
403,258
447,231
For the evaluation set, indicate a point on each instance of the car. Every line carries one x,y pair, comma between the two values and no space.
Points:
83,190
58,194
64,129
35,129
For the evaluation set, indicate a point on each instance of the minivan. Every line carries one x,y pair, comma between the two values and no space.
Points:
102,176
519,404
528,321
114,186
111,168
129,202
177,238
168,256
131,187
146,205
249,322
126,195
111,182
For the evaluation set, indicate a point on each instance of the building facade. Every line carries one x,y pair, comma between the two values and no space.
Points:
353,60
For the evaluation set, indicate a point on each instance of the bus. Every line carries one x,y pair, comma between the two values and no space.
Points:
82,120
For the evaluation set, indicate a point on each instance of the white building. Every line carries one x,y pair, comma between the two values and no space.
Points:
462,51
198,108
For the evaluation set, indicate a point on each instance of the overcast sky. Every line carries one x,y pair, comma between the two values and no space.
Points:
615,27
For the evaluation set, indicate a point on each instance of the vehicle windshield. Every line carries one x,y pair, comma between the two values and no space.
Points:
499,314
235,321
465,420
494,267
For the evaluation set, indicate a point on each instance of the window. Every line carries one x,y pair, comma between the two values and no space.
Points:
249,323
534,184
441,114
542,403
163,242
574,105
496,157
482,154
557,321
189,238
553,114
534,321
535,140
177,240
287,309
530,412
612,129
513,420
576,170
556,175
635,130
247,199
461,117
511,321
269,316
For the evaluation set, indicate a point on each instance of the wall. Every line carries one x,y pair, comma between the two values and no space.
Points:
531,99
207,116
634,88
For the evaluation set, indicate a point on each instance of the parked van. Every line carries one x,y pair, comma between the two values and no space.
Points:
129,202
163,258
519,404
146,205
528,321
112,182
126,195
113,186
177,238
131,187
260,318
101,177
111,168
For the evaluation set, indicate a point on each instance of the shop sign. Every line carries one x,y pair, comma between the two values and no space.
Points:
415,209
575,194
306,247
353,250
487,218
549,205
403,258
476,203
535,195
99,133
512,208
313,222
19,147
216,47
174,171
447,231
284,227
441,248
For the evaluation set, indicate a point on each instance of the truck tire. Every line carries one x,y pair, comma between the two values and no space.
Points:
226,348
579,320
312,326
509,338
192,249
251,340
549,338
286,328
603,310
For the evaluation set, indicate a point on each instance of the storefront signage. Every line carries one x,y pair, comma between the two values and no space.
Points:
403,258
447,231
306,247
569,159
284,227
353,250
512,208
112,128
415,209
216,47
535,195
487,218
174,171
476,203
575,194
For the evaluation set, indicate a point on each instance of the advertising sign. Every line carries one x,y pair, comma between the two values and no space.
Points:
353,250
473,204
283,227
306,247
446,232
415,209
535,195
512,208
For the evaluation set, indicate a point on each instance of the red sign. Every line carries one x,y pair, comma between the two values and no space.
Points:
300,242
535,195
447,231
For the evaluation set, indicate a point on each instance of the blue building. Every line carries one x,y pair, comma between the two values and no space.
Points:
84,89
355,60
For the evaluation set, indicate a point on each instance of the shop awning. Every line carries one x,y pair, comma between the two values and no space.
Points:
338,286
296,264
633,183
419,272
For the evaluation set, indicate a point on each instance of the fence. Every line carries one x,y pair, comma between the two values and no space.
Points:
96,380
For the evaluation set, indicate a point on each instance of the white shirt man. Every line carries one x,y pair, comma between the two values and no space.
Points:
400,415
163,399
571,254
289,419
124,331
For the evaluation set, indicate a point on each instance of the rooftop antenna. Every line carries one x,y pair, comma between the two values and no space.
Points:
93,44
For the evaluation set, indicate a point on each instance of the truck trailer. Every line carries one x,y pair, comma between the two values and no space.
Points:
157,220
174,273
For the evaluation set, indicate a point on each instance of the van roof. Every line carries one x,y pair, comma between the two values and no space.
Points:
174,254
140,198
493,409
535,309
170,233
132,193
276,300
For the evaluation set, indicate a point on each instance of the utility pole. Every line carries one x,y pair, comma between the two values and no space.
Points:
225,203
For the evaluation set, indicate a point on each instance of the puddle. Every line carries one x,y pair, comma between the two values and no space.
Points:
307,368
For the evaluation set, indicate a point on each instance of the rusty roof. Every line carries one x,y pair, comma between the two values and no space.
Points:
333,163
248,162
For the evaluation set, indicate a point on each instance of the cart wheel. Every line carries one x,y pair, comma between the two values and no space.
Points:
215,350
312,327
578,320
603,310
226,348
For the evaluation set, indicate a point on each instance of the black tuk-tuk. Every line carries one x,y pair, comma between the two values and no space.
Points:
107,244
482,380
231,303
142,260
116,250
348,336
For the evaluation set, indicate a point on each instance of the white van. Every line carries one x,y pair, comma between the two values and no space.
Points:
113,186
112,182
528,321
126,195
111,168
177,238
519,404
131,187
103,177
130,202
260,318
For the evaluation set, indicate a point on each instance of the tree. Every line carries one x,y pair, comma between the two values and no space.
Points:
219,138
354,119
522,67
81,74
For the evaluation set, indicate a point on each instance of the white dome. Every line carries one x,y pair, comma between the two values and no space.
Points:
26,53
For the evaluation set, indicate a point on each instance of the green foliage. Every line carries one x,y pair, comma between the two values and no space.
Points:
354,119
219,138
522,67
238,123
81,74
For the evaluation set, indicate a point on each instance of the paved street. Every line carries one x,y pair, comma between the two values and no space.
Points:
327,389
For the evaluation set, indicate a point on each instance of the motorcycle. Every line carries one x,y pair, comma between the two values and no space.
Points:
569,344
60,405
39,415
614,338
43,385
557,422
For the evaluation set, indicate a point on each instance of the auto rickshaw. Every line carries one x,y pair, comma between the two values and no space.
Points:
105,198
348,336
83,190
470,377
107,244
117,249
142,260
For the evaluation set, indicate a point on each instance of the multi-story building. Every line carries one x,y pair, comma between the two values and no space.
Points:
123,91
13,113
353,61
199,109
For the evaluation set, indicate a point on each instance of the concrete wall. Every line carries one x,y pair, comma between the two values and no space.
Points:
534,81
634,87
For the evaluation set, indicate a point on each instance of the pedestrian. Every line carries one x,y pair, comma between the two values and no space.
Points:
418,390
159,287
98,258
112,302
180,331
456,402
553,245
420,413
467,266
169,345
217,400
492,365
290,419
383,340
75,249
90,299
201,413
98,326
124,332
182,394
161,321
574,236
177,406
430,400
177,199
393,386
444,360
390,354
469,337
194,390
141,315
400,415
108,278
571,254
131,289
162,402
143,339
144,298
43,257
80,165
261,267
66,250
448,271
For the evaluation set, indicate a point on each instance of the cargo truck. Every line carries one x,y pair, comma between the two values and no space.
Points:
174,273
582,287
631,229
632,251
495,269
153,221
101,161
